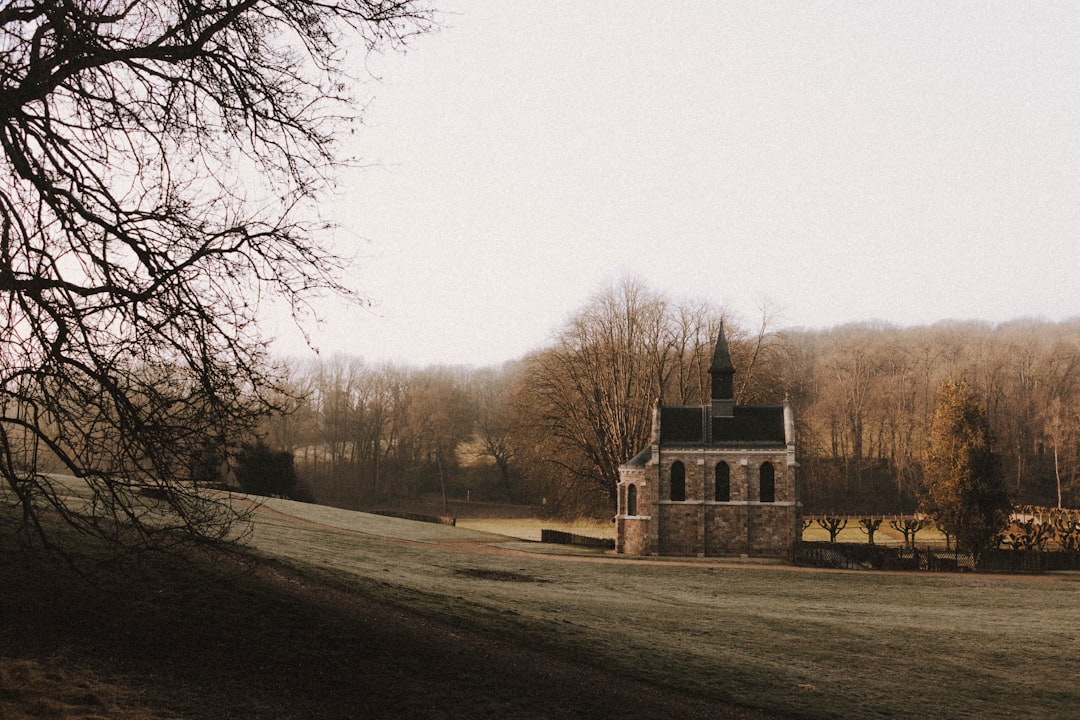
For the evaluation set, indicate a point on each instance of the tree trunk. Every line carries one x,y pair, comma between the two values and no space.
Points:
1057,475
442,480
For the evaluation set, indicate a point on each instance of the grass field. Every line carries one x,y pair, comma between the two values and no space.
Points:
819,644
529,529
392,618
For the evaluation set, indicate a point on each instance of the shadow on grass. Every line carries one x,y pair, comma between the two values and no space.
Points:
230,637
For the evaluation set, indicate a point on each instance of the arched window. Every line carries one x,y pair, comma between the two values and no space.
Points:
678,481
767,487
723,482
631,500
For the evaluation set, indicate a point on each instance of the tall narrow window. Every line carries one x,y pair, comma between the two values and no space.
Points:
723,482
767,488
678,481
631,500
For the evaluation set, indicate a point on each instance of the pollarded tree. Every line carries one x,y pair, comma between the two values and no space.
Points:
156,157
869,527
909,527
965,487
832,524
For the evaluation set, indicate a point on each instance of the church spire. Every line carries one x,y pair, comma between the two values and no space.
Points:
723,378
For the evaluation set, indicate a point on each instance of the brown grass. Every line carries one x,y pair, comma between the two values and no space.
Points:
225,637
816,643
60,688
529,528
346,615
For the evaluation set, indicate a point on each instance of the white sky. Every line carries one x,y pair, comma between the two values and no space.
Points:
907,162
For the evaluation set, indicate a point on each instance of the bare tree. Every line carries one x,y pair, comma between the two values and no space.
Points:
588,399
491,391
909,527
756,356
869,527
832,524
591,394
440,419
157,160
1061,378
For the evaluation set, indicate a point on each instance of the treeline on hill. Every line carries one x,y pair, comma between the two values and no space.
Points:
552,428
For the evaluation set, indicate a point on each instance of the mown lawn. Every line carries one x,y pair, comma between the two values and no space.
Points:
816,643
529,529
204,637
391,618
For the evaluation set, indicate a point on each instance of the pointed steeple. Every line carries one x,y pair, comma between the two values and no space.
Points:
721,359
723,378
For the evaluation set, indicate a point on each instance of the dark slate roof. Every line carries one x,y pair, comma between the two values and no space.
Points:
641,459
749,424
682,424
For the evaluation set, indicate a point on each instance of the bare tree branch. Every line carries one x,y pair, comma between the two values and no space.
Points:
155,156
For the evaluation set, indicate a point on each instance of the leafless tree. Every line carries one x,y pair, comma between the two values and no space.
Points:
832,524
588,399
440,418
491,391
869,527
908,527
158,161
592,393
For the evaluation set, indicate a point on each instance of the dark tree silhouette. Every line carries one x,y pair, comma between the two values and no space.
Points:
833,525
1067,530
1031,535
869,526
908,527
261,470
156,160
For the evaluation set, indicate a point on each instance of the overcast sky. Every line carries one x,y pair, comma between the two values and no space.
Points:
844,161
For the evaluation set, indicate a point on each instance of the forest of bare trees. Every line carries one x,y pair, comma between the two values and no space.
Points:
866,397
551,429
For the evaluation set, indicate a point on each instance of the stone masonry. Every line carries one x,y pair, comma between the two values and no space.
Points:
716,480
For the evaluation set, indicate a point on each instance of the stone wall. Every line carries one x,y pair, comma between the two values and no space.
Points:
681,530
772,530
699,525
725,530
632,536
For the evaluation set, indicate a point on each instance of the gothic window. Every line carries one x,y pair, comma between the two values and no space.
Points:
678,481
767,487
631,500
723,482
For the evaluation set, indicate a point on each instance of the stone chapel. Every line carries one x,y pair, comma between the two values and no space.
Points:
717,479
